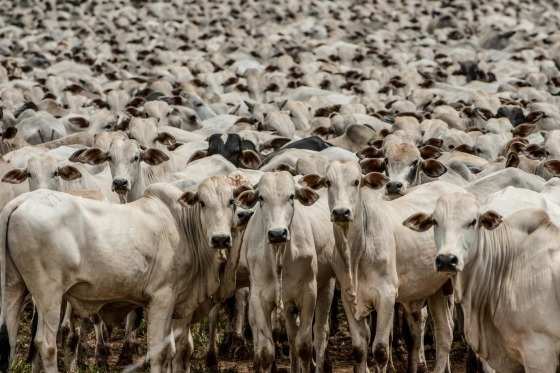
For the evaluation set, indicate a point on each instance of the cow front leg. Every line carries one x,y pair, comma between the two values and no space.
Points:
414,317
385,311
160,311
184,346
321,324
212,354
260,310
441,309
290,316
359,331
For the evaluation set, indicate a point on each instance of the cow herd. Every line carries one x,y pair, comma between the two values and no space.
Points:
159,159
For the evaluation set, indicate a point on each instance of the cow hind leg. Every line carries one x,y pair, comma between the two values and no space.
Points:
160,336
47,328
131,347
321,325
15,296
413,312
441,311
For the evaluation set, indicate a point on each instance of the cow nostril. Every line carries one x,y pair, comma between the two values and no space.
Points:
120,183
341,214
453,260
278,235
221,241
446,262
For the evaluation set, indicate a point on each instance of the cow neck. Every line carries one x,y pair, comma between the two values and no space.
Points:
481,284
202,278
148,175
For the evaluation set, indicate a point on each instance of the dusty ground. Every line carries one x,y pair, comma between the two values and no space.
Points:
339,351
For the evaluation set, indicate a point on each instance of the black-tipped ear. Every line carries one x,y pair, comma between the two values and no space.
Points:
199,154
153,157
188,199
69,173
286,167
9,133
165,138
490,220
433,168
372,165
512,160
248,198
370,152
250,159
553,166
430,152
419,222
92,156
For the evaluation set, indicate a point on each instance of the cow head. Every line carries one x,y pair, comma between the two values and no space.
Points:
344,180
42,172
215,202
455,219
403,165
276,194
124,157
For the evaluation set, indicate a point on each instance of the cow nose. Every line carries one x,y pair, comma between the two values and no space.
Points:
120,184
447,263
394,187
278,235
341,215
221,241
244,216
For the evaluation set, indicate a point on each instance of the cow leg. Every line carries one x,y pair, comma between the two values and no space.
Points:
212,354
15,292
101,348
385,311
160,311
184,346
260,310
321,324
290,316
47,328
539,354
72,342
441,311
238,341
413,312
304,339
130,348
359,330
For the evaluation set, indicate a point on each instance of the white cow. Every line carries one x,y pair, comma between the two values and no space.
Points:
505,273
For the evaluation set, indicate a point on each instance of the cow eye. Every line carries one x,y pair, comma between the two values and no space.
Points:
135,159
356,182
328,183
201,204
261,199
292,197
232,202
472,223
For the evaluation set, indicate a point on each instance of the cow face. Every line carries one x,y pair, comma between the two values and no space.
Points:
124,157
214,201
42,173
344,180
455,221
403,165
276,195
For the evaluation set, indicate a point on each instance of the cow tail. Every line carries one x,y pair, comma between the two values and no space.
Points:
5,347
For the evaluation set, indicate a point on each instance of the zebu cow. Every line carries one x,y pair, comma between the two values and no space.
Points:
383,263
505,273
167,260
285,245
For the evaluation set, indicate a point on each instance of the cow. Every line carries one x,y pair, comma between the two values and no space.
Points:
168,241
492,260
285,245
382,263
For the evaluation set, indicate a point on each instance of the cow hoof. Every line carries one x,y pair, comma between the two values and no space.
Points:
129,351
226,347
357,354
239,348
380,355
422,368
211,360
327,366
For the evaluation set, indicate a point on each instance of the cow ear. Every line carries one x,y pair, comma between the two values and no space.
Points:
79,122
279,142
512,160
9,133
75,157
438,143
250,159
173,146
370,152
372,165
306,196
93,156
374,180
313,181
153,157
199,154
286,167
188,199
377,143
517,146
490,220
523,130
16,176
419,222
553,167
535,151
248,198
240,189
429,152
69,173
465,149
433,168
534,117
165,138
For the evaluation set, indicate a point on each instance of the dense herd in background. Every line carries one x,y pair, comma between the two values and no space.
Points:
162,158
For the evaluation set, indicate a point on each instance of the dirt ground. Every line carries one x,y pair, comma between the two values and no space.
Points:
338,350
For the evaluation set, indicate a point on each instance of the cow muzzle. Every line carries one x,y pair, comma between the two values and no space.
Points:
447,263
279,235
120,186
395,188
221,241
341,215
